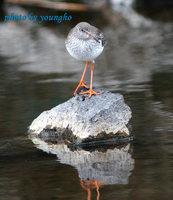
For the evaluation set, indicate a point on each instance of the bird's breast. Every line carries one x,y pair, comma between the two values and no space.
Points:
84,50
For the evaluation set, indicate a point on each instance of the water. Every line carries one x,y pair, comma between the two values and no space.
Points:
37,74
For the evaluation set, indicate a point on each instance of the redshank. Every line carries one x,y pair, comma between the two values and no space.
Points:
85,43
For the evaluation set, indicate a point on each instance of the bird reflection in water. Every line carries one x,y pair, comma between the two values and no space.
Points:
90,185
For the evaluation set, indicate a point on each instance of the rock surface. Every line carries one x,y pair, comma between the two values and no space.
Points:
99,117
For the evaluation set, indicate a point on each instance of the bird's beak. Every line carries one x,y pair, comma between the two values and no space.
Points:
93,38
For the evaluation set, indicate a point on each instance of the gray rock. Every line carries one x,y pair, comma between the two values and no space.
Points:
99,117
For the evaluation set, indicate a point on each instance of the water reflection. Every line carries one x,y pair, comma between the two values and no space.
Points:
90,185
98,167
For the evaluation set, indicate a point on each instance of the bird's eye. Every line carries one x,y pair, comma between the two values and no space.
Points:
82,30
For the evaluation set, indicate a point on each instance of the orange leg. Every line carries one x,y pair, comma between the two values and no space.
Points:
90,185
97,188
88,188
91,91
82,83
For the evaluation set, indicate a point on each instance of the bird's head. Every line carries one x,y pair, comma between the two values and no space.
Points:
86,31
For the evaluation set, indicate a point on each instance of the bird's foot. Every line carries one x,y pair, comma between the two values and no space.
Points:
90,92
82,83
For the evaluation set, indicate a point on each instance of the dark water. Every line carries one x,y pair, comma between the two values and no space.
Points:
36,74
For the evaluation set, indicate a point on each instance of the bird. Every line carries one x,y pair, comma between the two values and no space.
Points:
85,43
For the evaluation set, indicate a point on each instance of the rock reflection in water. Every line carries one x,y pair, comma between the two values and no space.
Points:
95,167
